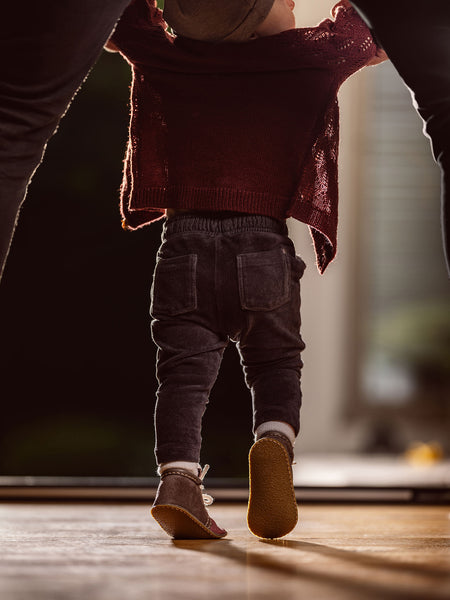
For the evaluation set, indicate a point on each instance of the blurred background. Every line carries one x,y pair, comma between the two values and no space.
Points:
78,374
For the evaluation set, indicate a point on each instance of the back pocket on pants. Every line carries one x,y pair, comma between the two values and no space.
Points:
174,289
263,279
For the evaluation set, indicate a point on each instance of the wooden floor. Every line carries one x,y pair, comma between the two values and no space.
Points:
66,551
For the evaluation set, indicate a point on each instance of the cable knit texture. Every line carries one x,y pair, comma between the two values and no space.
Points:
250,127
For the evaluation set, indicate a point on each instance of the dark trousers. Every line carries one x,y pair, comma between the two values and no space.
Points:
219,279
416,37
46,50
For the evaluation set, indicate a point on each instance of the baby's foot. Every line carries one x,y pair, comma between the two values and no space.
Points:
272,506
179,507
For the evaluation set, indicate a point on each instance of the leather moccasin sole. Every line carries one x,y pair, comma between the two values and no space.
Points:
181,525
272,506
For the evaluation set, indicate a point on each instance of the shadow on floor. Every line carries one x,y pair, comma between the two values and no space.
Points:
370,560
332,572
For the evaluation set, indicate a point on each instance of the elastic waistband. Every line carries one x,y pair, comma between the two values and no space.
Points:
223,223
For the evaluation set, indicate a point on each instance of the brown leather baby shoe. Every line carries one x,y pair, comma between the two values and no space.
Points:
272,506
179,507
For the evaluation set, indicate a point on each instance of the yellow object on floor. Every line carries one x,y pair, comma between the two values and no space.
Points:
422,454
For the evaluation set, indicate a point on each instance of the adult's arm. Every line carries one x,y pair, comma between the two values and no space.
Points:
415,35
46,50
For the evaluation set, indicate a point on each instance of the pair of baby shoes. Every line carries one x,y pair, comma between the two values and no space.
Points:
180,504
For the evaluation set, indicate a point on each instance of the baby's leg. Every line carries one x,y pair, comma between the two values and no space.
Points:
189,355
270,348
188,360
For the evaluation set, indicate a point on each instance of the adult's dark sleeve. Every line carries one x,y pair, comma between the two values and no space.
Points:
416,37
46,51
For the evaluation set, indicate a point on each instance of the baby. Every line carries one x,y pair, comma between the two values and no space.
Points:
234,128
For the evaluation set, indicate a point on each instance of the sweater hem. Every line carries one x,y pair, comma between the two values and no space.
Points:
210,199
150,204
323,232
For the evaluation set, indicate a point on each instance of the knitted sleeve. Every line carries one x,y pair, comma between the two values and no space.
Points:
344,43
140,32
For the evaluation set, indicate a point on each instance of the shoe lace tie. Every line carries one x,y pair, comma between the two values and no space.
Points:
207,499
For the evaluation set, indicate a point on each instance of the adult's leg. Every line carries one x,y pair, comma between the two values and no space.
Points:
444,162
416,38
46,50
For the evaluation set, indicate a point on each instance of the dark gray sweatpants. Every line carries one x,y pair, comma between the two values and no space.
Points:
222,278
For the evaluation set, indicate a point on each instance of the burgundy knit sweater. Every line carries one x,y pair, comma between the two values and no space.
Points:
250,127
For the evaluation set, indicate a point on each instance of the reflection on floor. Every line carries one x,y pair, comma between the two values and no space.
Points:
67,551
